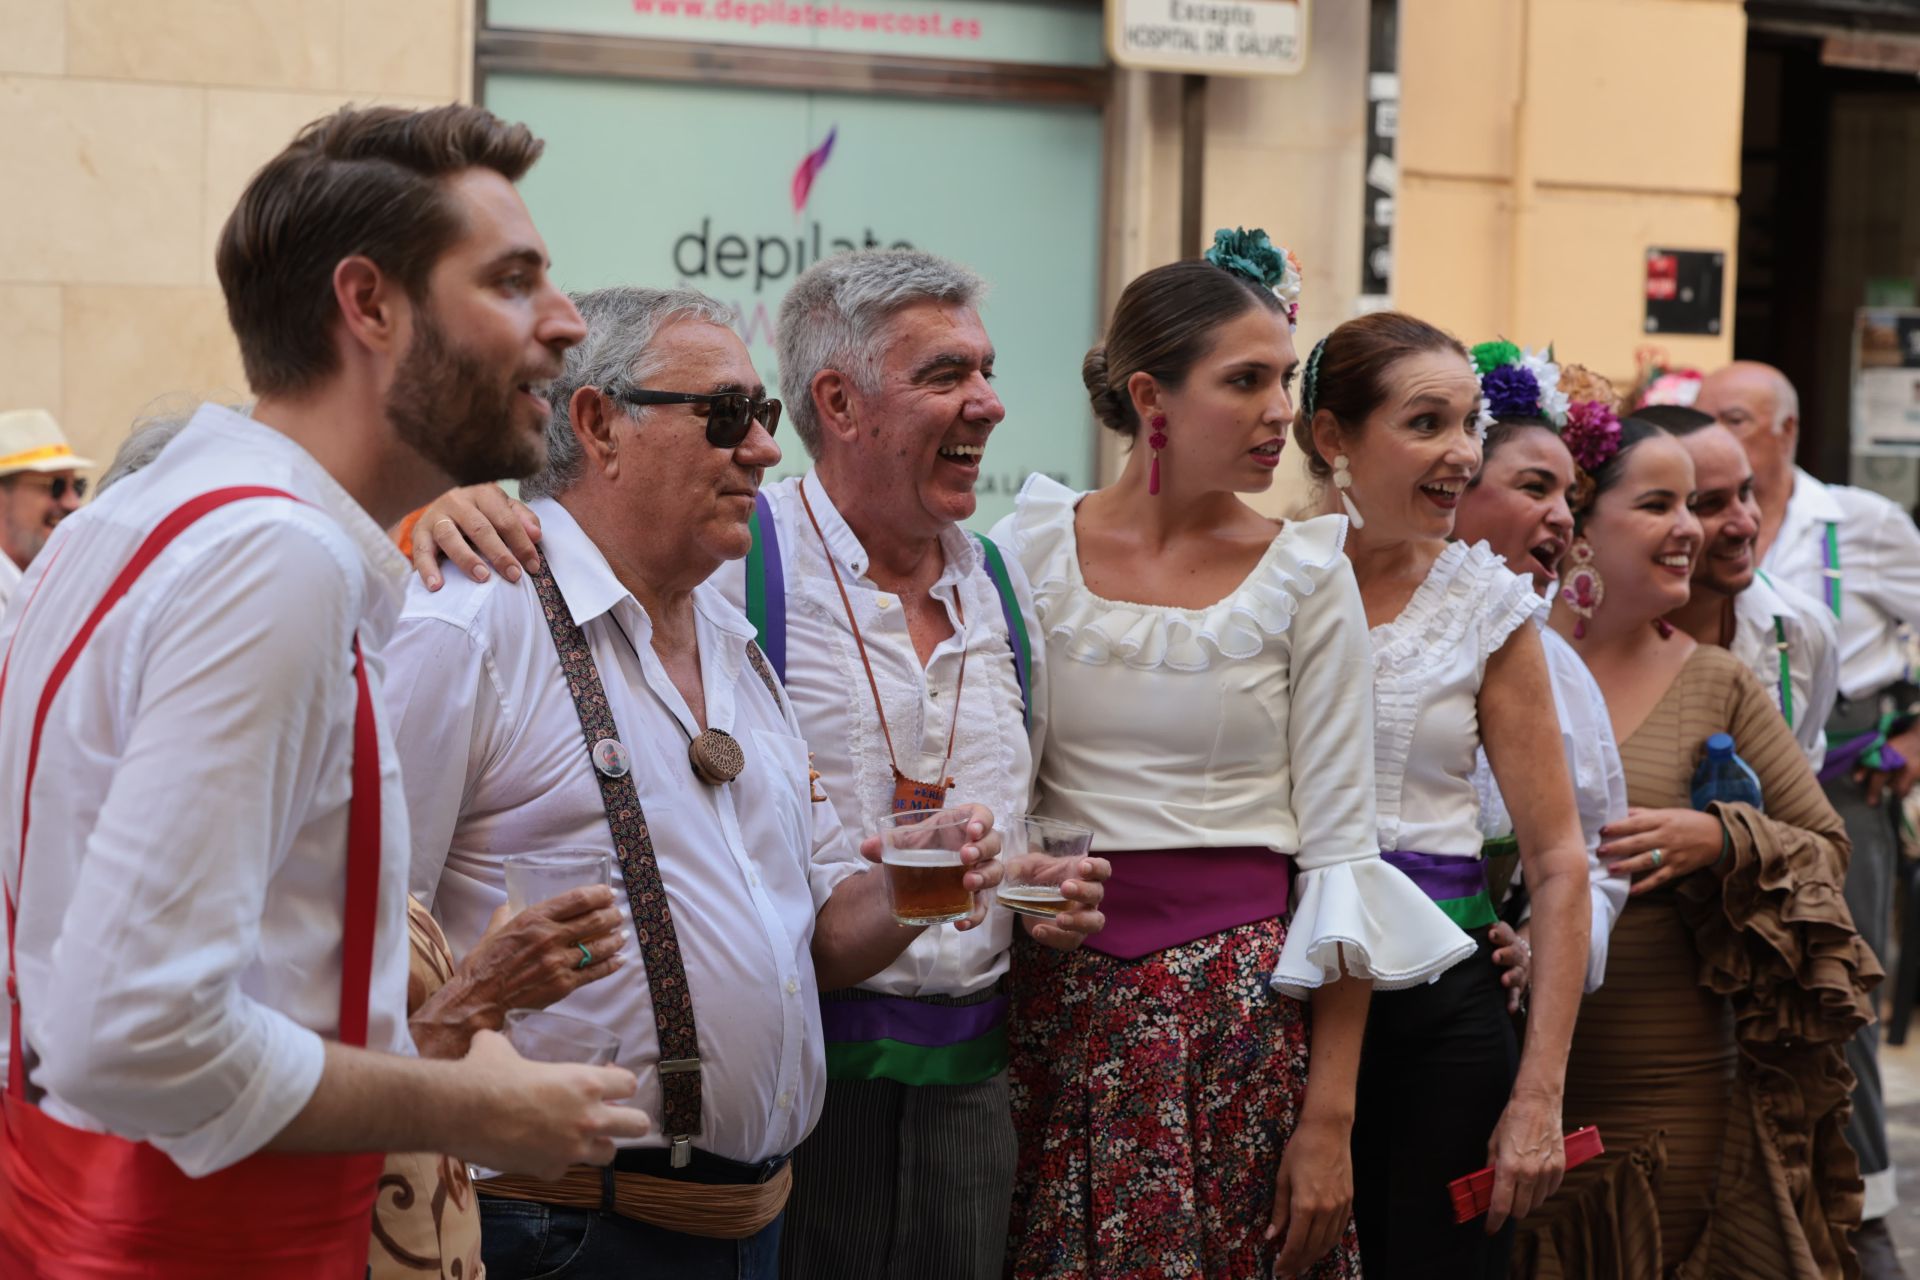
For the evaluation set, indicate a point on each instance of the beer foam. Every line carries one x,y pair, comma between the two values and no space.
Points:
921,857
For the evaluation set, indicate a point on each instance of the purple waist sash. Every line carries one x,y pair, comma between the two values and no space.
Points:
1160,898
1438,876
909,1021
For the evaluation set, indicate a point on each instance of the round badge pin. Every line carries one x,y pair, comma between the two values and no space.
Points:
612,758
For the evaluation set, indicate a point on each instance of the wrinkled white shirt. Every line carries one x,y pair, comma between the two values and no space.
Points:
1878,574
1764,613
496,765
993,753
180,929
1599,786
9,580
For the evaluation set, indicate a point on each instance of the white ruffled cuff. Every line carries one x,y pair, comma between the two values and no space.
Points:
1365,918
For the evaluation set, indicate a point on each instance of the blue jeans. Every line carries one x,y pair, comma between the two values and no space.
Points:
521,1240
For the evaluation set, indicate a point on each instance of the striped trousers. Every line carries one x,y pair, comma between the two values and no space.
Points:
902,1181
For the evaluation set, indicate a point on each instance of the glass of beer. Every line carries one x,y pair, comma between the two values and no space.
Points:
540,1036
535,877
1040,855
920,849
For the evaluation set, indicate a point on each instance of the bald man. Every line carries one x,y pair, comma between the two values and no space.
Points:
1859,555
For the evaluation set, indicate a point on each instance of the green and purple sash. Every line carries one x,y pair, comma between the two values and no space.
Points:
1457,885
871,1037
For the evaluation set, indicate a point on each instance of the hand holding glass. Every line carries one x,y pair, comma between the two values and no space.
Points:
1039,856
926,879
539,1035
535,877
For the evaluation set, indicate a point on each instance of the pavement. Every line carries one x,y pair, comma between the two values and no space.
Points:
1900,1078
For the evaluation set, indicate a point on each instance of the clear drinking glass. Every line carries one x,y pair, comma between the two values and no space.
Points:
535,877
1037,856
920,850
541,1036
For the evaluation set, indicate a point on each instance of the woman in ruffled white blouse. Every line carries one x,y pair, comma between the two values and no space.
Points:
1210,719
1390,418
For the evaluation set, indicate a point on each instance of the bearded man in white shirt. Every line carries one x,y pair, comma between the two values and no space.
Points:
1858,554
206,887
1785,636
746,892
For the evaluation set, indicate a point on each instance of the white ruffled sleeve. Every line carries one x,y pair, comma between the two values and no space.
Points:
1352,913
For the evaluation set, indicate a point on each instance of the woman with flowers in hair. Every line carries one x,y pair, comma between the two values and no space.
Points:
1520,503
1711,1059
1209,718
1391,417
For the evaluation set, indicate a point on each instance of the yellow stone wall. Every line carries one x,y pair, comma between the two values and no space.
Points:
127,130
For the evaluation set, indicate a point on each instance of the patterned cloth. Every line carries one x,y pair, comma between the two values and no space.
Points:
1152,1099
425,1221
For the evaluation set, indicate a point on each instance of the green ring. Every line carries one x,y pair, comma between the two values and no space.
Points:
586,956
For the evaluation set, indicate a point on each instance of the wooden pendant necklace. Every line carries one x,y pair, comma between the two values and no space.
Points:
714,754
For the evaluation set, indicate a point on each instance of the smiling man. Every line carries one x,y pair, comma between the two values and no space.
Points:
38,489
903,643
1785,636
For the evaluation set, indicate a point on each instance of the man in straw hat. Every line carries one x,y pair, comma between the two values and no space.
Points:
38,488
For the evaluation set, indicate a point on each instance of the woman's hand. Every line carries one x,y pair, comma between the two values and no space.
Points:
472,527
1313,1196
1513,954
1528,1155
1084,888
1687,841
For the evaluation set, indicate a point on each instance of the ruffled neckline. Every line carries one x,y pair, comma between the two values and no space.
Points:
1094,629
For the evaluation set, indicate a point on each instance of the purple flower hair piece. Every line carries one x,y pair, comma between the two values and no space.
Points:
1592,434
1511,391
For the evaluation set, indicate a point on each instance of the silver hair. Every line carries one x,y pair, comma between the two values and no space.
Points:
834,315
152,432
622,323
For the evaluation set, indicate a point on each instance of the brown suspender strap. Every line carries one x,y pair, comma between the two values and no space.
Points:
652,917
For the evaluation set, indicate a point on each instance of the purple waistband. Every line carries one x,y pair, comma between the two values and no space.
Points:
1160,898
1847,757
909,1021
1440,876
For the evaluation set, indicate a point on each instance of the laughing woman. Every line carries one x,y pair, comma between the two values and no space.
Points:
1711,1059
1390,420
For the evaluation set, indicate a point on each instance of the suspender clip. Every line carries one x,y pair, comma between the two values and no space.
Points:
682,1152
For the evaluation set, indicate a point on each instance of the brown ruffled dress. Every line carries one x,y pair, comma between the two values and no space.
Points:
1711,1058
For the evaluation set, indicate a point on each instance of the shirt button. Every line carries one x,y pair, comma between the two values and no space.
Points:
786,1099
793,986
882,602
753,878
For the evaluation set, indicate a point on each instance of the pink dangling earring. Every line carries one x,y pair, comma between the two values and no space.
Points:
1581,586
1157,441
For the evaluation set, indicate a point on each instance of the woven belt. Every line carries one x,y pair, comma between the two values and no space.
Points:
717,1211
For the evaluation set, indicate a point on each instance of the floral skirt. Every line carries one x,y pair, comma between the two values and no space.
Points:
1152,1099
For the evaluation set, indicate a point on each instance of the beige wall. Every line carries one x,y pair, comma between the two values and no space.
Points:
127,130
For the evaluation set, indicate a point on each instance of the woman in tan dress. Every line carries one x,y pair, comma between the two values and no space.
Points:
1711,1058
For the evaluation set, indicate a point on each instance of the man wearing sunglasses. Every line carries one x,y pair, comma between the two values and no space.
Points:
39,487
745,892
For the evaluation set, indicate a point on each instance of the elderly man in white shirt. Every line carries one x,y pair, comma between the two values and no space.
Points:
206,881
1785,636
745,889
1858,554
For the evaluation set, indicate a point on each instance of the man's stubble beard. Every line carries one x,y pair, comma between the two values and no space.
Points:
449,406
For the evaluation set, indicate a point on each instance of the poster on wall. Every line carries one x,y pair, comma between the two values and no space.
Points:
746,188
1886,380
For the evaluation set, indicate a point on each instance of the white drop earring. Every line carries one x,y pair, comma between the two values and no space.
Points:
1343,481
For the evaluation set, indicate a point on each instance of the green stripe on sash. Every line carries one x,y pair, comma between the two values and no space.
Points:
757,579
969,1062
1469,913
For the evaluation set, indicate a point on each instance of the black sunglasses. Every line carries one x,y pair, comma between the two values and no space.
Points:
59,485
730,414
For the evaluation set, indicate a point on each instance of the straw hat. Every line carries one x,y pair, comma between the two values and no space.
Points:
30,440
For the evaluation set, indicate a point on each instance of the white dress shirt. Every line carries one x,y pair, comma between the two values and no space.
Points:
1878,573
1246,723
992,756
496,765
180,935
1599,786
9,580
1764,613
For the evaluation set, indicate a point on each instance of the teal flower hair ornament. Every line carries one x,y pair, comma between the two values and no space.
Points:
1252,256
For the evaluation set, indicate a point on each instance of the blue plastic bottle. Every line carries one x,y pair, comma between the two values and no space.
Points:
1724,776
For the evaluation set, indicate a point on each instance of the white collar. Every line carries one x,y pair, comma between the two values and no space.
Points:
962,556
588,584
1813,501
